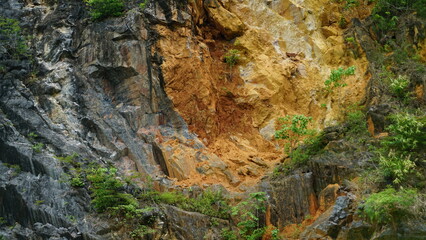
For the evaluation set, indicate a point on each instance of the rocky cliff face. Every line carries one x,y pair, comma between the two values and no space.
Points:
149,92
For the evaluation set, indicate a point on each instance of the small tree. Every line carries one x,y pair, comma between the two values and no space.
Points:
231,58
100,9
336,77
388,206
293,129
248,212
11,38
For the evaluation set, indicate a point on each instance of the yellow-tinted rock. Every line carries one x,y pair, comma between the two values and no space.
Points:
286,55
229,24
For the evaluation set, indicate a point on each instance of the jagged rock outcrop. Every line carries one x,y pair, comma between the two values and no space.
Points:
150,92
96,90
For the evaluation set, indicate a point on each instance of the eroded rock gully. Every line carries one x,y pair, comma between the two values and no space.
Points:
150,92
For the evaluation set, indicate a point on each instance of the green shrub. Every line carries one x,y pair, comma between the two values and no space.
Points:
232,57
407,133
141,231
350,4
398,7
77,182
385,13
248,213
69,159
142,5
356,121
398,87
388,206
211,203
228,234
396,167
106,190
12,39
336,77
38,147
293,129
312,145
100,9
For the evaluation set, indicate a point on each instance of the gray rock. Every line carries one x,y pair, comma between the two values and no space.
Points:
331,221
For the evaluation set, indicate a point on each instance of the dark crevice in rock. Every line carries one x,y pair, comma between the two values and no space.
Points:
159,159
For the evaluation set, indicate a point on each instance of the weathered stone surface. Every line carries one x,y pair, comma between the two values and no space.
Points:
331,168
291,198
356,230
330,222
327,196
99,93
227,22
201,226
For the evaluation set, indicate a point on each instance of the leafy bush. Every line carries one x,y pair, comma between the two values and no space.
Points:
385,23
293,129
141,231
388,206
12,39
37,147
143,4
248,212
211,203
398,87
77,182
396,167
100,9
312,146
398,7
232,57
228,234
407,133
356,121
106,190
336,77
386,12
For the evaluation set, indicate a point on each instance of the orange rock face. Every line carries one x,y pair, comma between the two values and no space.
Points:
287,51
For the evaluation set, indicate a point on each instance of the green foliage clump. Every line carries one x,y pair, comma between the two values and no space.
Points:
69,159
12,39
77,182
398,87
16,168
211,203
388,206
37,147
398,7
386,13
2,221
312,146
141,231
228,234
350,4
248,212
336,77
293,129
232,57
399,152
142,5
106,190
396,167
100,9
407,133
356,122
